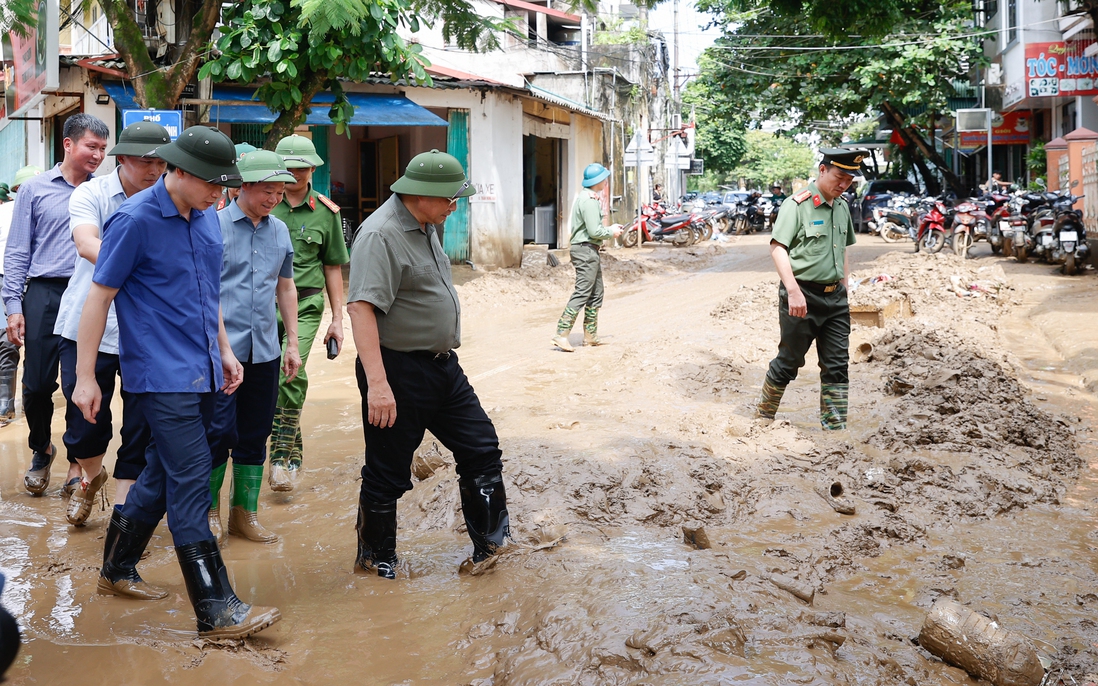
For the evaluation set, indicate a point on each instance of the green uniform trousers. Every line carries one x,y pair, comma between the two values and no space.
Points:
588,291
827,323
291,394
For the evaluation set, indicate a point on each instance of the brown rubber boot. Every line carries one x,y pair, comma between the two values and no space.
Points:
246,524
216,529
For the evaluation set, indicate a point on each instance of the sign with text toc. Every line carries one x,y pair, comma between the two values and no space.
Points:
1060,69
172,120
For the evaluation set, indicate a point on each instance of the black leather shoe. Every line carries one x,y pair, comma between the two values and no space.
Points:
37,478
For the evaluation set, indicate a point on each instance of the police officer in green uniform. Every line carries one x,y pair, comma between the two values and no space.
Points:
808,246
316,231
588,233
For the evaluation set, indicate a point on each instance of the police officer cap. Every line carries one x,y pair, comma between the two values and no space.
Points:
847,160
298,152
140,138
25,174
594,174
243,149
262,166
436,175
204,152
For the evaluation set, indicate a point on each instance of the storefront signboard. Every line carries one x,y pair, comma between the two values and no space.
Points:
1007,128
1060,70
34,67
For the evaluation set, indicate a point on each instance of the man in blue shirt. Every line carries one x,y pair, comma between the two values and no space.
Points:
257,271
38,261
89,207
160,263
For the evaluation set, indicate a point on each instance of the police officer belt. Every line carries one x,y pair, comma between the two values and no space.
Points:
436,357
303,293
820,287
593,246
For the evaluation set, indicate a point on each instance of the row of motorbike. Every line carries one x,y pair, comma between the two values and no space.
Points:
697,222
1023,224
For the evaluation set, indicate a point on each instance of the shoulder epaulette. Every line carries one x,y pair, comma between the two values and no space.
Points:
802,196
328,202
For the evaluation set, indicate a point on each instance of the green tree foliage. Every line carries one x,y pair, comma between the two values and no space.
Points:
719,138
803,67
770,158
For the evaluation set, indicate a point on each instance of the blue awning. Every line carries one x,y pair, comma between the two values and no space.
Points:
371,109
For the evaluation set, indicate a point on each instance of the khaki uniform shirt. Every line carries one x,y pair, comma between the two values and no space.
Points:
404,273
587,219
816,234
316,232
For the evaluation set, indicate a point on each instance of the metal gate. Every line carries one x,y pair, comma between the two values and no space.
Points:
455,236
1090,189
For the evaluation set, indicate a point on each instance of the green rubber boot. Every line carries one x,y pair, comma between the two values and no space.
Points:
243,515
564,327
771,398
591,326
834,399
217,479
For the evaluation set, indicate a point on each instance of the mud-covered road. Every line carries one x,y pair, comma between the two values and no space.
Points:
970,460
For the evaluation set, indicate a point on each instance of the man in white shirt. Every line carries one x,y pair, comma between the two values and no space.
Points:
91,204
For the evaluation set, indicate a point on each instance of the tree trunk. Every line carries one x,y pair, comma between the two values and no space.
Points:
912,137
159,87
288,120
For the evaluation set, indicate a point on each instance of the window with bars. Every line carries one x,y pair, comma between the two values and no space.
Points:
1012,21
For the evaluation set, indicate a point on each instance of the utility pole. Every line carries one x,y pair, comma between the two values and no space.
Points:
676,116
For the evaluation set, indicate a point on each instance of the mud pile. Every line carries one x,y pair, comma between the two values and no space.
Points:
931,282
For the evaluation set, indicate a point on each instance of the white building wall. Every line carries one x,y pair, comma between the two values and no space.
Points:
495,167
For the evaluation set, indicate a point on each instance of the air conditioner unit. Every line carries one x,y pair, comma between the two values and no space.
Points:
994,76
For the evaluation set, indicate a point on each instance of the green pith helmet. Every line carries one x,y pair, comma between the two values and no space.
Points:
298,152
203,152
262,166
594,174
140,138
243,149
436,175
4,191
25,174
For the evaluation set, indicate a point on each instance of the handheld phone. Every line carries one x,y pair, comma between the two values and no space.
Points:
333,348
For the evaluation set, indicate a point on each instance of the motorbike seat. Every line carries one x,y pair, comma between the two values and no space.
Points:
670,219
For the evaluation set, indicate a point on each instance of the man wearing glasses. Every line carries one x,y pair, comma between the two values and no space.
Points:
406,322
316,231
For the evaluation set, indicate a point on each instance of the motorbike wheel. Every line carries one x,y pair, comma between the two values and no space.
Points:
995,249
934,240
962,241
629,238
1070,267
726,225
740,225
683,238
891,233
1008,246
1021,254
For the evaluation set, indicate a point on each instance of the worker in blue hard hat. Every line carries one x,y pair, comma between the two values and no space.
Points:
589,230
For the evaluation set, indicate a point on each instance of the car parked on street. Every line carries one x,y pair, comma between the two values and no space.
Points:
875,194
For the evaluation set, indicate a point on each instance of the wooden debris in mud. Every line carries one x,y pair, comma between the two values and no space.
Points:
798,588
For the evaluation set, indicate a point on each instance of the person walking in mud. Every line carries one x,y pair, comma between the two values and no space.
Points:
160,263
316,231
90,206
256,275
808,246
588,233
38,260
406,321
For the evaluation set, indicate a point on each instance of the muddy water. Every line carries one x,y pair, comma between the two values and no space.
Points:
616,448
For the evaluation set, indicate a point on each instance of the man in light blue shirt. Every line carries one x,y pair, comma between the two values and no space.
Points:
257,271
89,207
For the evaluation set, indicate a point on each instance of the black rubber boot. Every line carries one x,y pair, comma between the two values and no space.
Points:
220,613
484,506
125,541
377,532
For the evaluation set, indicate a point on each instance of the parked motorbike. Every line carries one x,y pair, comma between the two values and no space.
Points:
748,216
651,225
996,207
933,226
970,224
898,220
1070,247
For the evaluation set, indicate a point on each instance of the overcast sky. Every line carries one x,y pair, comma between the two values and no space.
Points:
692,38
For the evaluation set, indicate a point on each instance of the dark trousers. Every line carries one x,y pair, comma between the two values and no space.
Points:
84,439
827,323
42,357
241,422
176,480
432,395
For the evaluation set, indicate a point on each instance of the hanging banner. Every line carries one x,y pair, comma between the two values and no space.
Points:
1007,128
1060,70
34,60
